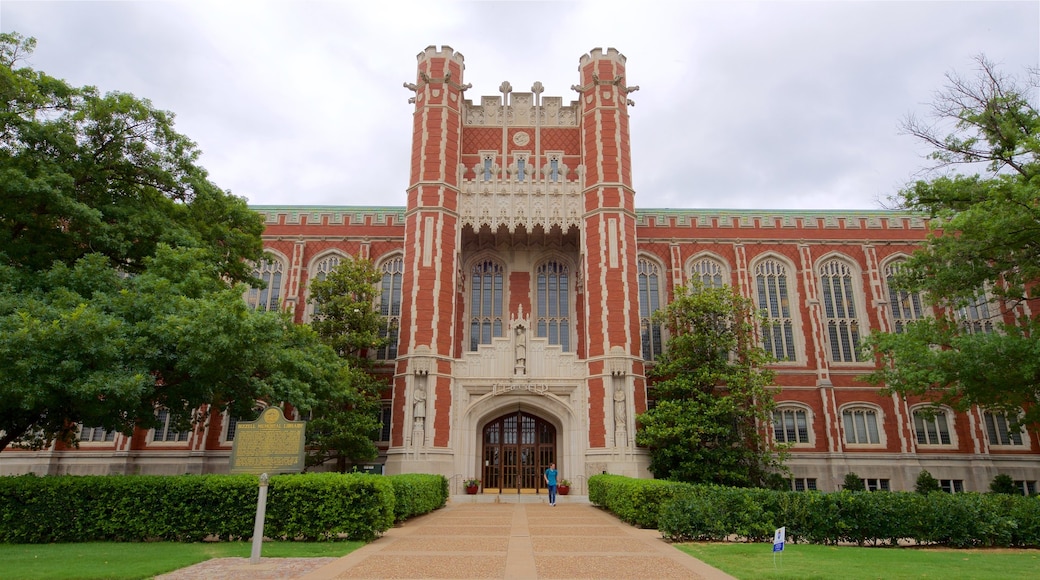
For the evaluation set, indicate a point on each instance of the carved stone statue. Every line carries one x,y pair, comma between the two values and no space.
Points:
619,406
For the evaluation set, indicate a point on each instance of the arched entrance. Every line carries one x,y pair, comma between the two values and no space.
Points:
517,449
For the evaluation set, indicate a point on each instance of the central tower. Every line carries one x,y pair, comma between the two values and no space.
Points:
520,302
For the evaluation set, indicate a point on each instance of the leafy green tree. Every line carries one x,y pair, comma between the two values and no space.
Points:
853,483
346,319
1003,483
985,239
121,269
710,387
926,483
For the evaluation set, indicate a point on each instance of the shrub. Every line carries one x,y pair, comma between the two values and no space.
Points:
704,512
1004,484
926,483
192,507
417,494
636,501
853,483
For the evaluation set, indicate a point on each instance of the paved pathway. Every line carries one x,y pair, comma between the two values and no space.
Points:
517,541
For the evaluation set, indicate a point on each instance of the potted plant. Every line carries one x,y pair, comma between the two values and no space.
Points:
472,485
564,487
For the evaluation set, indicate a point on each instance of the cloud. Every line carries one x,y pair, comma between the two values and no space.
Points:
742,105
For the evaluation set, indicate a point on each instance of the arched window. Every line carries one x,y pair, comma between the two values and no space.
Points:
553,307
977,316
791,425
1000,431
861,426
709,272
270,272
932,427
905,306
773,300
649,302
485,304
320,271
390,306
838,292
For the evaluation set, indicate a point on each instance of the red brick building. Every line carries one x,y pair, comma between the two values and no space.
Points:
519,279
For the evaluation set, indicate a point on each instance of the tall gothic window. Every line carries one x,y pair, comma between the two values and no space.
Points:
649,302
773,300
709,272
553,316
977,316
390,306
270,272
905,306
839,308
485,304
554,169
321,271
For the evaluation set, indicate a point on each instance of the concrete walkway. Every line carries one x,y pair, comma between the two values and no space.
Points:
471,539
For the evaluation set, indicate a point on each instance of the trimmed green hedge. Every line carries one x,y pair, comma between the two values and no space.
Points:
417,494
636,501
320,506
701,512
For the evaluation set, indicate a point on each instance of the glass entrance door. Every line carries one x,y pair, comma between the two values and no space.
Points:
518,448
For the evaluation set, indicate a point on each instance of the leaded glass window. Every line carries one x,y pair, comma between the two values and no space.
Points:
485,304
773,300
390,306
905,306
709,272
649,302
838,293
270,272
553,306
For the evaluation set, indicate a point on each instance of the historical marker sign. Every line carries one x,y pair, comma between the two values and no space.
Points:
271,444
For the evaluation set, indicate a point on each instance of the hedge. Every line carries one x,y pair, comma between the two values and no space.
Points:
711,513
189,508
417,494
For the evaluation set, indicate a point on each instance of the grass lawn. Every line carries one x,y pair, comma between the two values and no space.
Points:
115,560
804,561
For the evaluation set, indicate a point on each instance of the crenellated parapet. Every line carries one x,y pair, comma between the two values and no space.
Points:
786,219
610,53
330,215
522,111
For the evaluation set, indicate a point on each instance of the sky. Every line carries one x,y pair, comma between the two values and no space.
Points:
742,105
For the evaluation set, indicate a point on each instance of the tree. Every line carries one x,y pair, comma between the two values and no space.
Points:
120,271
346,319
926,483
1003,483
984,244
711,396
853,482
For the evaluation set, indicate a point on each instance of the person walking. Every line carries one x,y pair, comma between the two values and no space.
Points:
550,480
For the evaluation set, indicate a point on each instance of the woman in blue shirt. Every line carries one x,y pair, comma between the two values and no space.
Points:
550,480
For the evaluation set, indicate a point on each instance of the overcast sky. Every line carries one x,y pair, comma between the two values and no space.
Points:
778,105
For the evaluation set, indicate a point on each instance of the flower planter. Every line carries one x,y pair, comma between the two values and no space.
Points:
563,489
472,489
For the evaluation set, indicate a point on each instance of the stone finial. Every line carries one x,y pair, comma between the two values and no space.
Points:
505,88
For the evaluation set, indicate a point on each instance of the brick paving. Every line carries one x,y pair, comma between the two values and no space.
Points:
488,540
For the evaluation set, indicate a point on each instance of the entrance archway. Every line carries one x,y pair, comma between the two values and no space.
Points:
517,449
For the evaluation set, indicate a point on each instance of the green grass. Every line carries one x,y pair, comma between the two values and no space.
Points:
119,561
804,561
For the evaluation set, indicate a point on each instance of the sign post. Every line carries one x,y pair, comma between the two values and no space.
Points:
271,444
779,537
